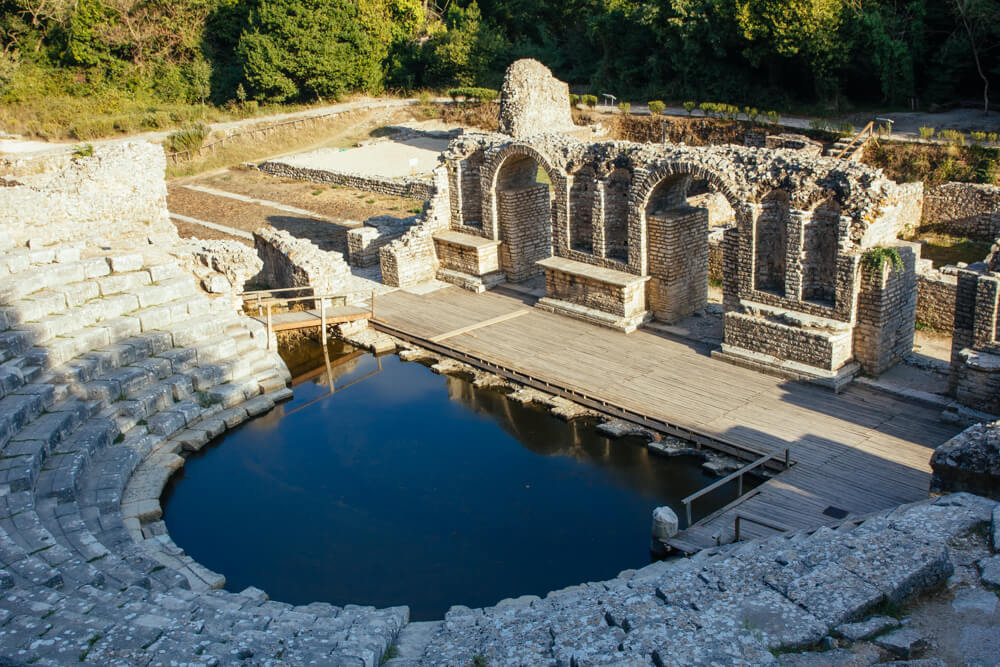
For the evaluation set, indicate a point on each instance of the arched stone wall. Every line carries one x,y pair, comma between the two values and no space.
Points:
523,213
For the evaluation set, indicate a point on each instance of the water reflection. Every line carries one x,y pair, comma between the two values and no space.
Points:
405,487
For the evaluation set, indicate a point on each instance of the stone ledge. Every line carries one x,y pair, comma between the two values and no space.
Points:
599,317
465,240
466,281
791,370
591,272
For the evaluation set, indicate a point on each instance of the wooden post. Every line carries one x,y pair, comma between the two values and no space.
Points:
322,319
269,332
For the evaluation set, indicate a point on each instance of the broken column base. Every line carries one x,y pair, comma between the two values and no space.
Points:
785,368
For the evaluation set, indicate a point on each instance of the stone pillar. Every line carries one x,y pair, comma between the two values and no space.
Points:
887,307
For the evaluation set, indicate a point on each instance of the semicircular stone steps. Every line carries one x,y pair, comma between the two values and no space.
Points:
112,366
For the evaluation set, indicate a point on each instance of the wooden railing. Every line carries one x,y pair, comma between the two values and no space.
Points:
266,300
738,476
859,140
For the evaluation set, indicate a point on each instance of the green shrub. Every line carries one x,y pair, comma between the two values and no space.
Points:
926,132
93,127
625,107
656,107
690,107
875,258
993,137
574,100
846,129
978,136
83,150
773,117
470,94
707,108
189,138
424,97
953,137
590,101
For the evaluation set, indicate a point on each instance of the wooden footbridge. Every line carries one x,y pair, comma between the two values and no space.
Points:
287,309
849,454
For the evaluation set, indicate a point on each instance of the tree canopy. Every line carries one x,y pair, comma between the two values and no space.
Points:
773,53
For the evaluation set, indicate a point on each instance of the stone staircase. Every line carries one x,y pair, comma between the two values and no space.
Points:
113,366
741,603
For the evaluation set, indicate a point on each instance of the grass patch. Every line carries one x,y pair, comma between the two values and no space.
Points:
943,249
934,163
390,653
876,258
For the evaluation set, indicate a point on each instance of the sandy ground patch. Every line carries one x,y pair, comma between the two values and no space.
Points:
409,156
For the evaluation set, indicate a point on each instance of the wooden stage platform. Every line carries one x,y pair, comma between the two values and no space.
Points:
856,452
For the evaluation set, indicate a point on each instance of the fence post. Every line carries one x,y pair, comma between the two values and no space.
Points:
269,332
322,319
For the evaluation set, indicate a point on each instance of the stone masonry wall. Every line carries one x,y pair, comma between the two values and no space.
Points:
625,301
887,305
936,299
411,259
975,352
293,262
414,188
525,230
466,259
678,262
533,101
118,193
779,340
967,210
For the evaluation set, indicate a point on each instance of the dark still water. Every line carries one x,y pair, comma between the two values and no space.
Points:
406,487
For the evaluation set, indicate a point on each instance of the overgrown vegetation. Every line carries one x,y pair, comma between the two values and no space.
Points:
188,139
944,249
934,163
876,258
88,68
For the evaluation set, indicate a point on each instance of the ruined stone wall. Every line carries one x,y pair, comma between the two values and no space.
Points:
414,188
887,306
466,259
820,237
720,212
616,214
582,200
364,243
900,210
293,262
411,259
716,239
525,230
966,210
936,299
975,352
763,336
118,193
533,101
678,263
589,293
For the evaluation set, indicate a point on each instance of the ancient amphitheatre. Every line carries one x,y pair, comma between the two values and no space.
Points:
755,302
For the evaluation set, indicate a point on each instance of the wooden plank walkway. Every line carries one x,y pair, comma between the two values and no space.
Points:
859,451
305,319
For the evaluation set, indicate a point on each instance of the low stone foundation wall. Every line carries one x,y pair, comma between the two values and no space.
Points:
819,349
364,243
414,188
967,210
409,260
576,287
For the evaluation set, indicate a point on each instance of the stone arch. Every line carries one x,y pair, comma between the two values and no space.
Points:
770,243
645,188
821,234
521,210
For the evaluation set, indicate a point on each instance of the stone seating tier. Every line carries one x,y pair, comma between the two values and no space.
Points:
113,366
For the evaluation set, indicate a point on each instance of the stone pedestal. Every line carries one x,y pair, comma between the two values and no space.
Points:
603,296
469,261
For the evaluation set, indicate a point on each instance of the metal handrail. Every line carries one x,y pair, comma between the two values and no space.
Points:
738,475
867,128
765,524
